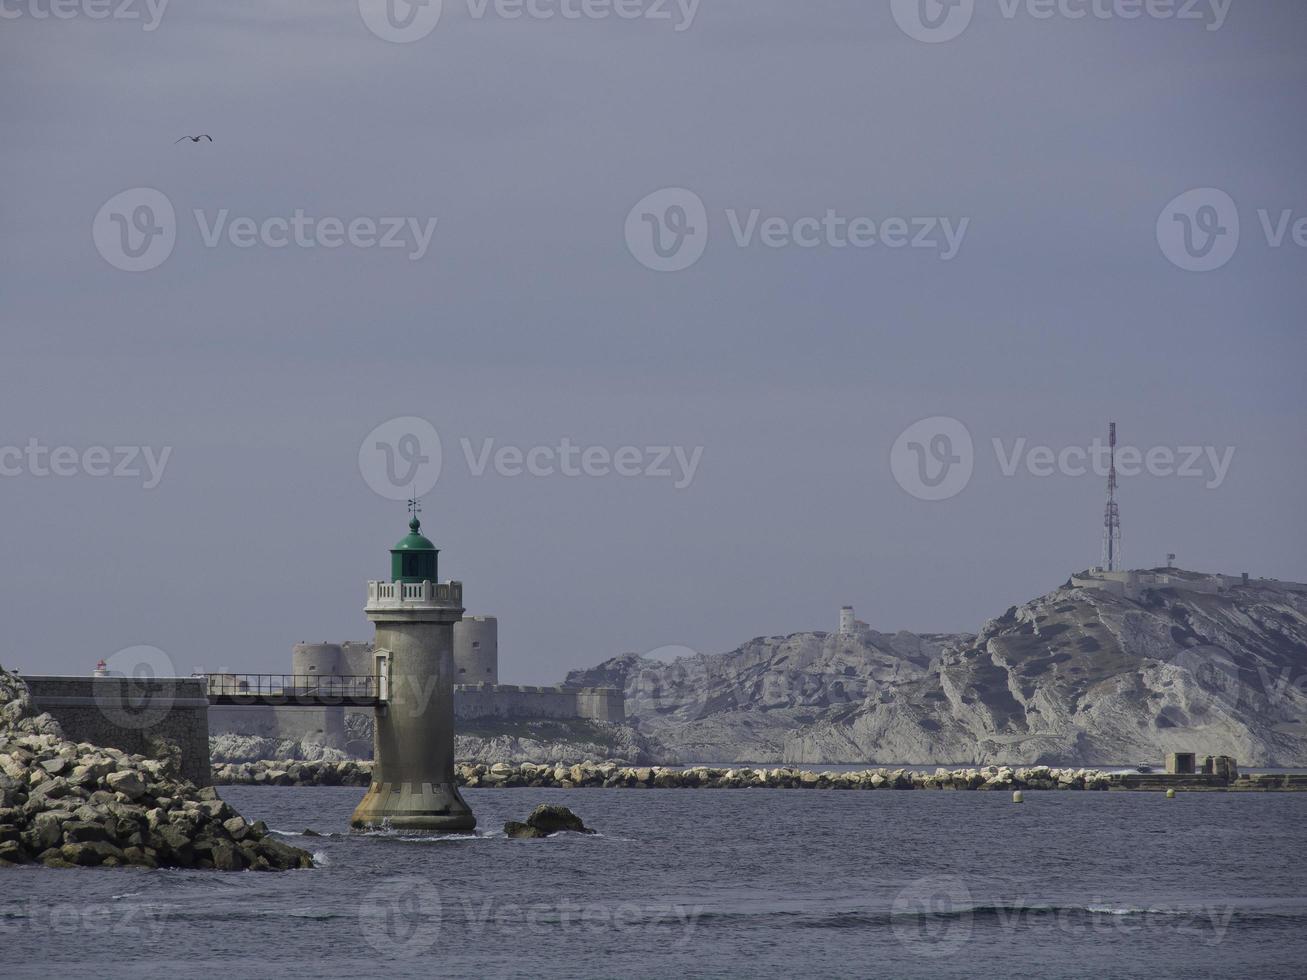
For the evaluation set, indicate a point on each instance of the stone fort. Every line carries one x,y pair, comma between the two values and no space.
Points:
478,695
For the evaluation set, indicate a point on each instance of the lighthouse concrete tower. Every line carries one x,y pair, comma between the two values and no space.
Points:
413,785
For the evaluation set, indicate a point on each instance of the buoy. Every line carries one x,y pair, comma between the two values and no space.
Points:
1170,794
1017,797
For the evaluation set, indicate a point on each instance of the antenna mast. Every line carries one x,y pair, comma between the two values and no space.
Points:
1112,514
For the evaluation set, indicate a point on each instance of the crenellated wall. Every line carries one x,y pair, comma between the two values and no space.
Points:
517,702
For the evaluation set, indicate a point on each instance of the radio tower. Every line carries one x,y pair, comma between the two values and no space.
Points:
1112,514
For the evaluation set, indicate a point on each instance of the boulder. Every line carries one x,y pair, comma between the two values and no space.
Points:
227,857
91,853
236,827
81,832
128,783
546,820
283,857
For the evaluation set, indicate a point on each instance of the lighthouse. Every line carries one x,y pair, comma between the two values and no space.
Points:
413,785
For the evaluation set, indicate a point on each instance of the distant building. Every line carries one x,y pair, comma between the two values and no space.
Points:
849,626
476,654
1133,583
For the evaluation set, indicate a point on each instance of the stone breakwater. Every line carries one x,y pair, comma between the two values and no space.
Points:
67,804
287,772
609,776
612,775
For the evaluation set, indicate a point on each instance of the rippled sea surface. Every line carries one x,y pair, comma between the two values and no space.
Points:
757,883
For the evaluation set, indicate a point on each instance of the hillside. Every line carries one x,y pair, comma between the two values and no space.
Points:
1080,676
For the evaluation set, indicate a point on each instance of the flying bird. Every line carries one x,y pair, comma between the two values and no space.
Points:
195,139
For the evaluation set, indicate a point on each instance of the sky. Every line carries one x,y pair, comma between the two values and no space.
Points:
721,314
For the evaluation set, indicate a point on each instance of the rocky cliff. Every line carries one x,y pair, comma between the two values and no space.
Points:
748,704
1081,676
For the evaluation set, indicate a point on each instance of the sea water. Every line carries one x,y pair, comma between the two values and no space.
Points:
736,883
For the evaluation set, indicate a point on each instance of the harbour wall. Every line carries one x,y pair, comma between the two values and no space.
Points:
129,714
609,775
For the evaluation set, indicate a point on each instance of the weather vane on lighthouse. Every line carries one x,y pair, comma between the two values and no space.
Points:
414,507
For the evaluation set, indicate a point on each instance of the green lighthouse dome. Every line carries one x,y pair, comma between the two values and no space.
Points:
414,557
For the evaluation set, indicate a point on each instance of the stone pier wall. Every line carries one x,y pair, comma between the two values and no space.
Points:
129,715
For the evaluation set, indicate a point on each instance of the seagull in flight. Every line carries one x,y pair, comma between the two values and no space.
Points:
195,139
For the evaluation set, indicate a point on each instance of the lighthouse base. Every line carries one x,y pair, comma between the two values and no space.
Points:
414,806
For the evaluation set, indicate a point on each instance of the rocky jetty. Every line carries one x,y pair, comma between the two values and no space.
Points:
253,748
612,775
546,820
69,804
499,740
293,772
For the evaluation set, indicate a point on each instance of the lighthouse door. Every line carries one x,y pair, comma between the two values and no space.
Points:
383,675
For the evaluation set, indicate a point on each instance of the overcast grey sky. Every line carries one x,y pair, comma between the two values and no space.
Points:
1056,144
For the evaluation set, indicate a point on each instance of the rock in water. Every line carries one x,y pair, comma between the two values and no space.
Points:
546,820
